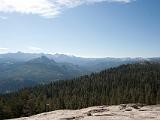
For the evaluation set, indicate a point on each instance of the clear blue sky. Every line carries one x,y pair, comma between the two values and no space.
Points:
101,29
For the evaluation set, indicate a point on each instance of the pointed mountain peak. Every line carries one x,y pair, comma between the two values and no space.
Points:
42,59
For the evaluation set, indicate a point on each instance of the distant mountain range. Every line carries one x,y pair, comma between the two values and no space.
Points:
16,75
92,64
19,70
132,83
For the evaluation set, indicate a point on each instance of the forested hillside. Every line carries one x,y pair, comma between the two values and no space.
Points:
20,70
133,83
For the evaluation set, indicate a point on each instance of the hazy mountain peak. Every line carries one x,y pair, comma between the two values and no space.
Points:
63,55
42,59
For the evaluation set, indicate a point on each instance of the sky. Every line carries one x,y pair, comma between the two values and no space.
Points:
86,28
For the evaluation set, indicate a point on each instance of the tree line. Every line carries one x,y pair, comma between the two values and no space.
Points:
132,83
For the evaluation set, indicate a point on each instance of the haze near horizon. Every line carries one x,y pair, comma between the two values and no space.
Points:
85,28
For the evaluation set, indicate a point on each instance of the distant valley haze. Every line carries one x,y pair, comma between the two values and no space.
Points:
75,54
19,70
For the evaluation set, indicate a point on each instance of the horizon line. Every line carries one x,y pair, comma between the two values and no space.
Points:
71,55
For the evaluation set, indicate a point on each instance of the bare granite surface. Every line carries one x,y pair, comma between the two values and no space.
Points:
119,112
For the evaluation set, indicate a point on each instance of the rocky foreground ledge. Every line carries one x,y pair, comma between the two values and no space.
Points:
119,112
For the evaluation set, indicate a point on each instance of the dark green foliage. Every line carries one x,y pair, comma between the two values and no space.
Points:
135,83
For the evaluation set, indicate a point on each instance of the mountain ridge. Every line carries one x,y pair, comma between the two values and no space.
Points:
21,69
28,56
131,83
37,71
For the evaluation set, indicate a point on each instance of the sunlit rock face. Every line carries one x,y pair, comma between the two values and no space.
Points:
119,112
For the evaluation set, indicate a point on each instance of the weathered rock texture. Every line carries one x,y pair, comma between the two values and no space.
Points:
119,112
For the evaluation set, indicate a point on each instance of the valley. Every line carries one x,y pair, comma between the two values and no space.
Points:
131,83
21,70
